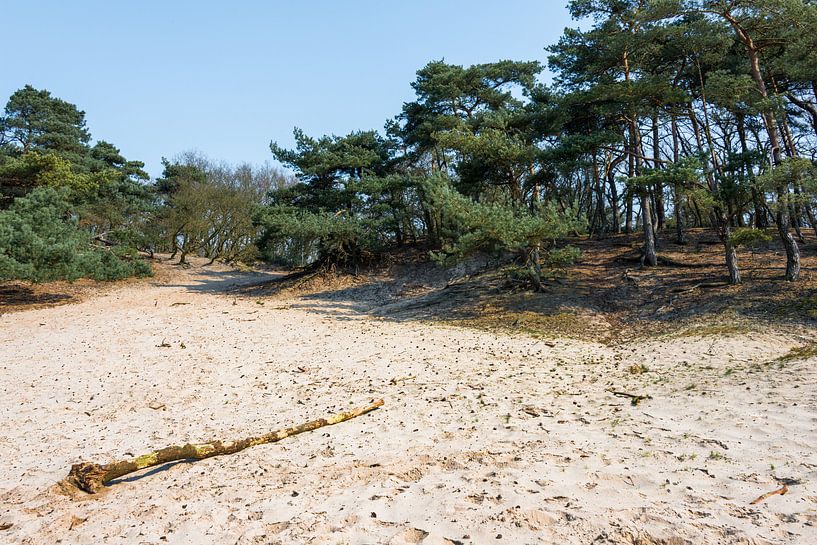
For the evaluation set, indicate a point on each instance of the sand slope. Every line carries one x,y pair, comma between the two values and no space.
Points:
483,438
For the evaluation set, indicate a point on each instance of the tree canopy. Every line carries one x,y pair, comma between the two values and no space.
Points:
662,115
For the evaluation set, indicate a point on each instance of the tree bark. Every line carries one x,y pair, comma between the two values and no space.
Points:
611,182
731,257
650,258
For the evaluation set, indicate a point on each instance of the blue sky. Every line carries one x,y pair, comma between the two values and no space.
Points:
158,78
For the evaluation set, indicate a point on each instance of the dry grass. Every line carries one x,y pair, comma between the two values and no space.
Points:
799,353
609,298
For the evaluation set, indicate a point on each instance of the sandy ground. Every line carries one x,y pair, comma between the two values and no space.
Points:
484,438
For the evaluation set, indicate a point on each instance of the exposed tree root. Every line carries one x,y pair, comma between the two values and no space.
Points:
701,286
638,257
91,477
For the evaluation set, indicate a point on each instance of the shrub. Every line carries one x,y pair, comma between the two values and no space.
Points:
469,227
40,241
559,258
302,237
750,237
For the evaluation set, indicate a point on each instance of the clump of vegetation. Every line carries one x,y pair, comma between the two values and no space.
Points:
750,237
799,353
471,227
72,209
638,369
808,306
561,258
291,236
40,241
348,204
716,456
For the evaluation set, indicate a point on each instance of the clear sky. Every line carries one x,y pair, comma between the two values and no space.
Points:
225,77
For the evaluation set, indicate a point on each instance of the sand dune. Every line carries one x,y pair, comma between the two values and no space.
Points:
484,438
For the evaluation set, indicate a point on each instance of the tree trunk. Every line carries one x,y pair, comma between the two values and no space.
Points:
680,237
659,188
731,256
789,244
760,219
628,214
601,213
650,258
811,220
636,150
783,220
611,182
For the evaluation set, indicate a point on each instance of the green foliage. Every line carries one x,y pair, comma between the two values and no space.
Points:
36,168
298,237
207,208
40,241
327,165
798,173
36,121
470,227
750,237
790,171
46,144
349,204
471,123
559,258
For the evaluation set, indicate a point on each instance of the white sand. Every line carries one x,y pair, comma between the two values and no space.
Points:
491,436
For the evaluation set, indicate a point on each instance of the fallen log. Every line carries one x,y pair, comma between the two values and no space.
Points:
91,477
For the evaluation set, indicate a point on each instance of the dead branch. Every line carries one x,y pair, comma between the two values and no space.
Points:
780,491
101,238
702,286
669,262
634,399
91,477
637,256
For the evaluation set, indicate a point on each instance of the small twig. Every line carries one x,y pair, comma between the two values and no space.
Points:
634,399
779,492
